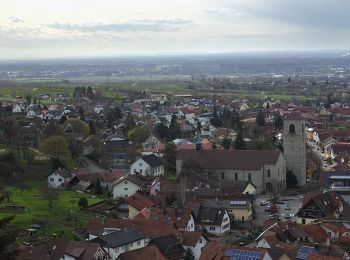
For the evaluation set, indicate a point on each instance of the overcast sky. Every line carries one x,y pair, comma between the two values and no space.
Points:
56,28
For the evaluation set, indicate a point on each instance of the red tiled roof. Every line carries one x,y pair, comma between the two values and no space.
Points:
139,202
316,256
145,253
293,116
231,159
179,216
317,233
146,227
190,238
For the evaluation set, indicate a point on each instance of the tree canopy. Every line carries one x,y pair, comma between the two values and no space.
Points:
56,147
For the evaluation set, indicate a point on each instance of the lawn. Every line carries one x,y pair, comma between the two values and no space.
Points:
61,220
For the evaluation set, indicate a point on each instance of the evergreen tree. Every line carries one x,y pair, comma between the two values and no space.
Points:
278,122
92,128
260,119
98,187
83,202
8,236
189,254
170,154
174,128
239,143
226,143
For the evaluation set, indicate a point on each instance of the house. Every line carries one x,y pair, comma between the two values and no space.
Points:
182,218
331,230
135,204
127,185
239,209
18,107
150,142
148,165
194,240
115,148
238,253
62,249
59,178
149,228
155,187
265,169
147,252
323,205
120,241
169,246
215,221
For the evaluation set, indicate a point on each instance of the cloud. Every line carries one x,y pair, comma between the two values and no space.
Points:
310,14
136,26
16,19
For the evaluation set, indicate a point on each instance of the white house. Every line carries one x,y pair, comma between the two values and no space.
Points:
148,165
59,178
120,241
18,107
155,187
127,185
195,241
215,221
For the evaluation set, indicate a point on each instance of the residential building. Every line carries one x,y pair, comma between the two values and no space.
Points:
117,242
215,221
148,165
59,178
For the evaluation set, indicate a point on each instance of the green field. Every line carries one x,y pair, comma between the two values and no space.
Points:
61,220
119,89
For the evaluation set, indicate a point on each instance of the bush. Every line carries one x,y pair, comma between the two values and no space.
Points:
83,202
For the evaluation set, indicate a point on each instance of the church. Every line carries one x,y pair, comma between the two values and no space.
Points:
266,169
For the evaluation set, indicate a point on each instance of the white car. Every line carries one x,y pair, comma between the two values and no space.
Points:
264,203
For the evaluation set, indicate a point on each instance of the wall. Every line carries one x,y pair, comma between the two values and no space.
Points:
197,249
139,166
120,192
294,149
56,180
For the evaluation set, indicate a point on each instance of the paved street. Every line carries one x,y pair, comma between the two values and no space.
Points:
294,203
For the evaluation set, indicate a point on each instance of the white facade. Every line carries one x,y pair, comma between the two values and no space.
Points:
115,252
55,180
294,148
217,230
270,177
140,166
190,225
197,249
125,188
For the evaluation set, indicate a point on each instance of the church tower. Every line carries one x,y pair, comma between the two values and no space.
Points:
294,146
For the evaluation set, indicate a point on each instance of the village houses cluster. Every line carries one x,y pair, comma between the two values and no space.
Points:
159,207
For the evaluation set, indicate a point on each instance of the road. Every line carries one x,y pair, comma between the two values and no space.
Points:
90,166
294,203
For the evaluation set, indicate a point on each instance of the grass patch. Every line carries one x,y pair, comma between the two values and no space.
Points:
61,220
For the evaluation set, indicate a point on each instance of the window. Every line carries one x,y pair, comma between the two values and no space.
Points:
126,188
222,175
125,182
291,129
268,173
242,218
212,228
140,164
236,176
60,179
140,170
249,177
303,221
200,240
117,249
51,179
138,242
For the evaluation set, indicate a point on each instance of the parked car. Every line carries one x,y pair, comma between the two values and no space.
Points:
286,207
274,216
287,215
264,203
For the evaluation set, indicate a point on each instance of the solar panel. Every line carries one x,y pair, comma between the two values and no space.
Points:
237,254
304,252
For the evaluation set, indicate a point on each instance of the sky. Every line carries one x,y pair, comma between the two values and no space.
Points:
73,28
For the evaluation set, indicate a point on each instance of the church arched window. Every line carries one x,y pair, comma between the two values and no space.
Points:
291,129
